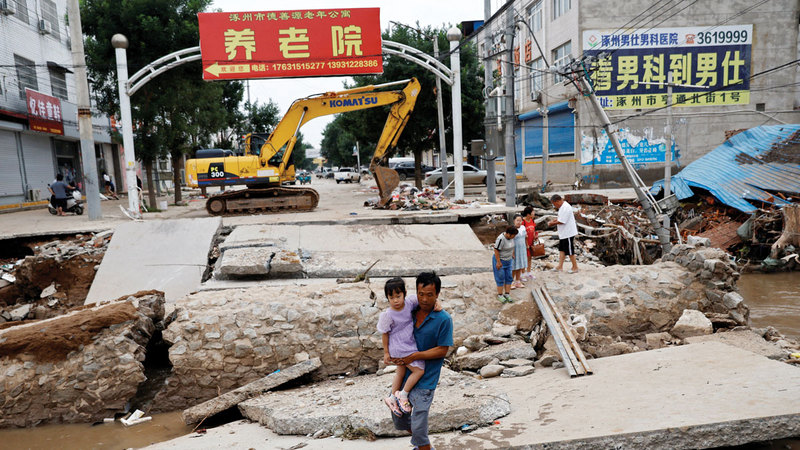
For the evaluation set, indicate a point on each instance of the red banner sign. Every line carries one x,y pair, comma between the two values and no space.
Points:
292,43
44,112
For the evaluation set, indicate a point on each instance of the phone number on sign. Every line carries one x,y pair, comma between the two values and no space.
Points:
349,64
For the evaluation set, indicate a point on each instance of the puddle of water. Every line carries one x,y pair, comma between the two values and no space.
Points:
774,299
105,436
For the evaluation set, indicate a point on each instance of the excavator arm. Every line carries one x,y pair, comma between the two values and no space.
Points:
284,137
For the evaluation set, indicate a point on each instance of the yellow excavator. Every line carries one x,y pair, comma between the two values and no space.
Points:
264,166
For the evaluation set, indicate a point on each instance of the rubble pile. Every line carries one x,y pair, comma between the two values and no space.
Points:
80,367
54,279
618,234
407,197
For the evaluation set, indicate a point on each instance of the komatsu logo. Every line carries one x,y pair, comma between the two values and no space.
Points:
361,101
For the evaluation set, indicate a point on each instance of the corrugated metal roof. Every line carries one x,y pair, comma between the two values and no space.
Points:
744,168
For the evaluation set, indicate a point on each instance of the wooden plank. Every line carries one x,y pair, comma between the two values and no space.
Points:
573,342
570,362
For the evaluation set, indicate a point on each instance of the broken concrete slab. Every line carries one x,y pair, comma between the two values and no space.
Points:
402,250
229,399
502,352
167,255
358,406
518,371
745,340
245,262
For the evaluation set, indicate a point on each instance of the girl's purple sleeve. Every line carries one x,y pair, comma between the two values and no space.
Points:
384,322
412,301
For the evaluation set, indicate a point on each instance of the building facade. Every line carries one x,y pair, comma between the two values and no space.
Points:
39,135
712,49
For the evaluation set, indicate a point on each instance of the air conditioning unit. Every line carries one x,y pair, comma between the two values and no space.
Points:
7,7
536,96
34,195
44,27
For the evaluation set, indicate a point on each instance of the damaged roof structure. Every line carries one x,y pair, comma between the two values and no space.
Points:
761,164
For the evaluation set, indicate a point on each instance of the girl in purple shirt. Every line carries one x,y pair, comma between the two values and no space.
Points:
397,326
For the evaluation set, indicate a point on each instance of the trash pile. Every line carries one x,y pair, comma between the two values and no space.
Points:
407,197
54,279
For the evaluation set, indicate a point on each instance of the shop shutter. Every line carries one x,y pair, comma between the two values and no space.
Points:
11,180
533,137
39,169
562,133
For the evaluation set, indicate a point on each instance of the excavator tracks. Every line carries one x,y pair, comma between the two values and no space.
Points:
263,200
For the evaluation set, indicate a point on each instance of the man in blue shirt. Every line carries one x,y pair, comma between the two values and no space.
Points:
433,331
59,192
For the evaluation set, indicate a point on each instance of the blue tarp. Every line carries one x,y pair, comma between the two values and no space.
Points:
744,168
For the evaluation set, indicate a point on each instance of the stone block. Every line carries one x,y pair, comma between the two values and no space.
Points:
524,315
516,362
21,312
692,323
508,350
656,340
285,262
519,371
500,330
732,300
491,370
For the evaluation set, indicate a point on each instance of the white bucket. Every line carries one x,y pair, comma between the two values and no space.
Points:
162,205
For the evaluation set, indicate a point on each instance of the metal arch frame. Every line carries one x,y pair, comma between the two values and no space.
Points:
423,59
175,59
160,66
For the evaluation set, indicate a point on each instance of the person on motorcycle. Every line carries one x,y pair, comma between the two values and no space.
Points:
59,192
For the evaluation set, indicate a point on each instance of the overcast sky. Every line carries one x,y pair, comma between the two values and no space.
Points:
284,91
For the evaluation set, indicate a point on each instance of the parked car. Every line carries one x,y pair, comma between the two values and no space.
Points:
472,175
405,170
347,174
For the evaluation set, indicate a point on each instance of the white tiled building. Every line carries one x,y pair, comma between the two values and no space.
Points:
35,53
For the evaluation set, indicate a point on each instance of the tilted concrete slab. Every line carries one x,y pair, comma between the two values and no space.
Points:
359,405
167,255
336,251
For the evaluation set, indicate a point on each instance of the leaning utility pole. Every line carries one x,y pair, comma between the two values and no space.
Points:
90,179
508,75
651,208
440,110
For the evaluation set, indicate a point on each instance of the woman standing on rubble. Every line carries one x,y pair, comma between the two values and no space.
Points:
520,252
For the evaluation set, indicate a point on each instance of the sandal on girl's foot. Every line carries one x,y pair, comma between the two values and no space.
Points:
404,404
391,402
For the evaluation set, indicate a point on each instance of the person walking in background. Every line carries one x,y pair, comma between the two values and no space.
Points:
567,230
530,238
501,263
519,264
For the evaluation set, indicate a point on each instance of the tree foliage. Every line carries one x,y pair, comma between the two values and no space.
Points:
421,132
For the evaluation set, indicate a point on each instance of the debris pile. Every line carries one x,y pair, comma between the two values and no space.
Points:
406,197
54,279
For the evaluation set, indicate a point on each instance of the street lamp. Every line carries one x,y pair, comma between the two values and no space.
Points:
454,36
120,43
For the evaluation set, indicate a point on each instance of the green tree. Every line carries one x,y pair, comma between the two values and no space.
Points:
175,111
421,132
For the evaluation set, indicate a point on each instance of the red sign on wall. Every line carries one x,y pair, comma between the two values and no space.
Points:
292,43
44,112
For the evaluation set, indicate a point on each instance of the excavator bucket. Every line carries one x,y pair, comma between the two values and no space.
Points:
387,180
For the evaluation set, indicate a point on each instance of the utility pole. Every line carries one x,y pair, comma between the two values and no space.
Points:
440,107
358,159
508,75
491,188
90,179
668,153
651,208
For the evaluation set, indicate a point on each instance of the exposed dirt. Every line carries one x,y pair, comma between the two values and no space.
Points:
488,232
54,340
